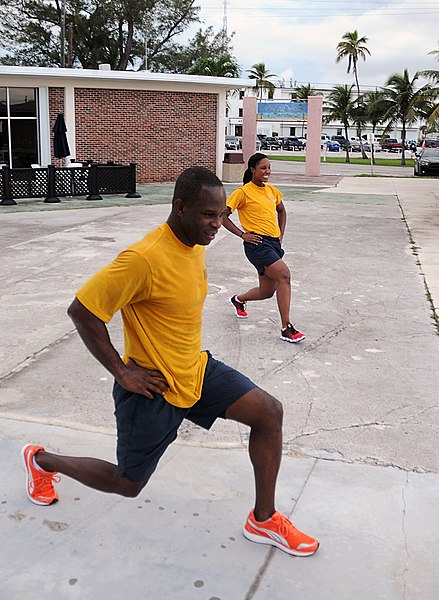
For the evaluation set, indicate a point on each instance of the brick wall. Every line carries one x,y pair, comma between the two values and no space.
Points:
163,132
56,105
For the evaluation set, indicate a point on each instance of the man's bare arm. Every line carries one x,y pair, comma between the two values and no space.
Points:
94,333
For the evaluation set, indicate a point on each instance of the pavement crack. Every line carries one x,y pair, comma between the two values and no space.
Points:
344,428
268,559
414,248
328,335
32,358
421,413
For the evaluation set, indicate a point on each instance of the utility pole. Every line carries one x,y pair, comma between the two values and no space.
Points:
226,2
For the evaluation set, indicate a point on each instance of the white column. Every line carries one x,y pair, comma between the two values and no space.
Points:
69,118
221,133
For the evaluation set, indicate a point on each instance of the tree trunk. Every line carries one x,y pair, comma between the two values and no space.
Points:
363,153
346,126
403,134
372,143
126,52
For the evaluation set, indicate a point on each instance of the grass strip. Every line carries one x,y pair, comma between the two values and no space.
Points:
379,162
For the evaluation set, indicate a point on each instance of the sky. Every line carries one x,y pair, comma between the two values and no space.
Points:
297,39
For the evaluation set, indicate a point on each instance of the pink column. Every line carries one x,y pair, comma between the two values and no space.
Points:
314,132
249,112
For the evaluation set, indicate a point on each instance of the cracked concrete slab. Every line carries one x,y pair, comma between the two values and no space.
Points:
360,399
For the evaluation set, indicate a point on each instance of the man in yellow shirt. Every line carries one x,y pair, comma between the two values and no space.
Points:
159,285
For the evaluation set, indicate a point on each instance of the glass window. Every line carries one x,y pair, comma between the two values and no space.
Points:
3,106
4,142
24,143
19,141
22,102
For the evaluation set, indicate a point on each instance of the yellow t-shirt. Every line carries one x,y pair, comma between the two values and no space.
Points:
257,208
159,285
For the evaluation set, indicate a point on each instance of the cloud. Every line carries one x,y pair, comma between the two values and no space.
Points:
302,46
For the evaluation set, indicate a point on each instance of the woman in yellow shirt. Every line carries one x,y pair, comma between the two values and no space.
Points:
263,217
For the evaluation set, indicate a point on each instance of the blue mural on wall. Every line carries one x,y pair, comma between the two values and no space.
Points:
283,111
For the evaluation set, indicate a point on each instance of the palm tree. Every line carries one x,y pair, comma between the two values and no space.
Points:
435,53
405,103
221,66
353,48
302,92
433,75
340,106
376,107
262,77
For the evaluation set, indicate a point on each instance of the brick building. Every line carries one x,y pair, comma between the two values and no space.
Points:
163,122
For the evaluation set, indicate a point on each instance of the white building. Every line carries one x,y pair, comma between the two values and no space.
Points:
294,123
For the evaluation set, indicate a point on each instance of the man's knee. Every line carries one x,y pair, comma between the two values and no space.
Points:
130,489
274,410
285,278
258,409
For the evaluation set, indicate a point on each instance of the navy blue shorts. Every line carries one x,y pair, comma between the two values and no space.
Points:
145,427
264,254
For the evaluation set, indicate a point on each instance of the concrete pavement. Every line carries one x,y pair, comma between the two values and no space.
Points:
360,469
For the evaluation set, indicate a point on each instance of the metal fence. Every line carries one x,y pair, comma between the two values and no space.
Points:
90,180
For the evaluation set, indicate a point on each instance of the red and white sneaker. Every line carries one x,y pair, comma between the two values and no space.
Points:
39,483
239,307
290,334
280,532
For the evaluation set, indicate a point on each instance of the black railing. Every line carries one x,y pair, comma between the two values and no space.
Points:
90,180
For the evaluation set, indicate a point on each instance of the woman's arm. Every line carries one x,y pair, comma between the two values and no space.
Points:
281,218
250,238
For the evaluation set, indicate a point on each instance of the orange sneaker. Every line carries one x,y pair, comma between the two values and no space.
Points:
280,532
39,484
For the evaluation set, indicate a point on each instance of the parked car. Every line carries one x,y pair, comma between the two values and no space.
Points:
391,145
431,144
427,163
270,143
341,140
232,142
367,147
332,146
293,143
